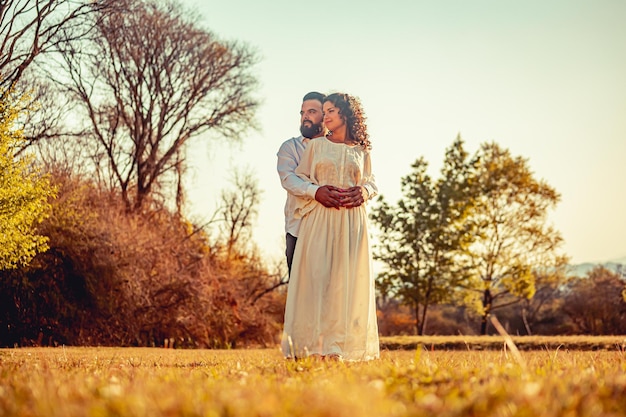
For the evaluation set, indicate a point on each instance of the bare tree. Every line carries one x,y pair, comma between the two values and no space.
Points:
150,80
238,211
29,28
234,218
44,114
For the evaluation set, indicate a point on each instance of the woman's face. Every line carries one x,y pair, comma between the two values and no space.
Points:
332,119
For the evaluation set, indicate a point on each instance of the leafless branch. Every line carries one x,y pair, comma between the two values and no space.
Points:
149,82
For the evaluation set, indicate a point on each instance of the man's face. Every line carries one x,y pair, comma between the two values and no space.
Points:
311,119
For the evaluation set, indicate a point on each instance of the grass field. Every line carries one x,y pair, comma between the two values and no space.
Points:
425,381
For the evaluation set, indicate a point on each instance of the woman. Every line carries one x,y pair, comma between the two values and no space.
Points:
330,310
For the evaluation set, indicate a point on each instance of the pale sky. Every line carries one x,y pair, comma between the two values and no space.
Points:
545,79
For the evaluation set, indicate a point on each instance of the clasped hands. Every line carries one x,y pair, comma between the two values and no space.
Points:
331,196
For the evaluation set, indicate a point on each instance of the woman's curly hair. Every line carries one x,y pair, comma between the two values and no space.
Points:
351,109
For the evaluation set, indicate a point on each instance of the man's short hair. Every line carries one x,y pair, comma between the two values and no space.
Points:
314,95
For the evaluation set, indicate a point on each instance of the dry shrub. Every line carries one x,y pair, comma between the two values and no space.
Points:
596,303
395,319
447,319
148,278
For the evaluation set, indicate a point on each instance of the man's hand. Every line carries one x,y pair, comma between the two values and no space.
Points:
329,196
353,197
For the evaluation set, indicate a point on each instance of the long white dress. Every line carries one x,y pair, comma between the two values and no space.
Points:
331,306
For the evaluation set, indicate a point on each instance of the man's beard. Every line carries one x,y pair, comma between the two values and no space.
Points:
312,131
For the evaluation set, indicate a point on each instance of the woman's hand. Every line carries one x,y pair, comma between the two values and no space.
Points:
329,196
353,197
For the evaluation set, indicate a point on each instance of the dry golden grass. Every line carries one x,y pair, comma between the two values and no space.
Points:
68,382
496,342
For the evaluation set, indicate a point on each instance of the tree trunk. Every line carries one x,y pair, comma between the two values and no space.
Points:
487,306
423,321
525,320
417,319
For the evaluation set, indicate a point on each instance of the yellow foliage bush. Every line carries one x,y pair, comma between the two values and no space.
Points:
24,193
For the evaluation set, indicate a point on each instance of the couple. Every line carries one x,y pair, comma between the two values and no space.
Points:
330,310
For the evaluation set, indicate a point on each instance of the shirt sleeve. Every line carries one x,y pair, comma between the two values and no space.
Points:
303,171
288,160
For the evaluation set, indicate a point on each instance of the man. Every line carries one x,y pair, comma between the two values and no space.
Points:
289,156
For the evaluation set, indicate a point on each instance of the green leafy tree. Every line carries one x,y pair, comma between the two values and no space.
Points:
425,236
24,193
514,239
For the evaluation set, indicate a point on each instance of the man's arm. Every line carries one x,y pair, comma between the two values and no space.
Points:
288,159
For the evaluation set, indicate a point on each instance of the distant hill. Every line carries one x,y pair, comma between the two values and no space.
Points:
613,265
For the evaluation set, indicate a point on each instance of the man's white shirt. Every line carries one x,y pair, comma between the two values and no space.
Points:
289,156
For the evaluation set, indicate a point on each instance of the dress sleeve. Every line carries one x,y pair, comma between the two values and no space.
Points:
369,182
